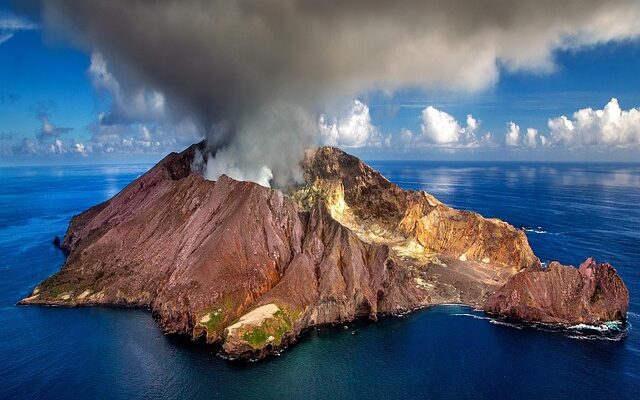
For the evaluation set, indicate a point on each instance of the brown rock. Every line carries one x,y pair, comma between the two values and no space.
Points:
591,294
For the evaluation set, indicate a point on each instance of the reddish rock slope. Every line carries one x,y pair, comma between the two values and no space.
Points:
591,294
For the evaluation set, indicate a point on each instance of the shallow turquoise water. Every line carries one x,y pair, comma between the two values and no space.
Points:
571,212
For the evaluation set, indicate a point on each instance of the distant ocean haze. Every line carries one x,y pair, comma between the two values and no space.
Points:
569,211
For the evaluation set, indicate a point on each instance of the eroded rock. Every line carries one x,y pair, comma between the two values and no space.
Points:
591,294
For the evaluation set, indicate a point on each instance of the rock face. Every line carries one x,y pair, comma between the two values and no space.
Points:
591,294
249,267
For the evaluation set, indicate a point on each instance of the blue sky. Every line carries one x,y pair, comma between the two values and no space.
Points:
586,78
45,82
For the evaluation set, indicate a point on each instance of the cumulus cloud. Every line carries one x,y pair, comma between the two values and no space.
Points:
531,138
438,127
352,130
138,138
46,140
441,129
50,139
224,64
512,138
56,147
80,149
610,126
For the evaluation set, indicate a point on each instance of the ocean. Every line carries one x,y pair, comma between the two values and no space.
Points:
570,212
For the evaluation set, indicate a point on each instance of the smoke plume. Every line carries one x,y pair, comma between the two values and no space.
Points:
254,75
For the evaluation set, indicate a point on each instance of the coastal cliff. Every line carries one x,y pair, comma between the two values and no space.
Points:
249,267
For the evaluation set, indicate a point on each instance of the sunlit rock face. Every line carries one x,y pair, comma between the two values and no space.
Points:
413,223
249,267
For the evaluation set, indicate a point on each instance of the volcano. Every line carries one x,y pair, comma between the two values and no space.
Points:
250,268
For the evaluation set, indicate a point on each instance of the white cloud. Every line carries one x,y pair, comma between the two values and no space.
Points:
512,137
487,139
10,24
438,127
57,147
543,140
531,139
441,129
352,130
132,105
80,149
132,139
610,126
145,133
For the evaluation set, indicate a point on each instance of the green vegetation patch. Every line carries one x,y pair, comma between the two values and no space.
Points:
56,289
275,327
214,317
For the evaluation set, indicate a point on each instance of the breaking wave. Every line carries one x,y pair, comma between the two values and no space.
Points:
614,330
505,323
471,315
541,231
535,230
491,320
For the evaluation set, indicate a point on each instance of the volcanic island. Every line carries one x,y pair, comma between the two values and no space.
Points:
249,268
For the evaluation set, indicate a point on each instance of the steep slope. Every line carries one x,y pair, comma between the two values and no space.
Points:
250,267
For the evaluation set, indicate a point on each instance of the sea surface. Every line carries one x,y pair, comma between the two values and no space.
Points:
570,211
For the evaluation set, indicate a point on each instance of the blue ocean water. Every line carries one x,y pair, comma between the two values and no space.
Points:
448,352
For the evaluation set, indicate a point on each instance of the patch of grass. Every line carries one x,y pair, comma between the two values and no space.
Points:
59,290
277,326
257,337
217,316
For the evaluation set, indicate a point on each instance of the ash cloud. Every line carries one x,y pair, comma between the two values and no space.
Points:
254,75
